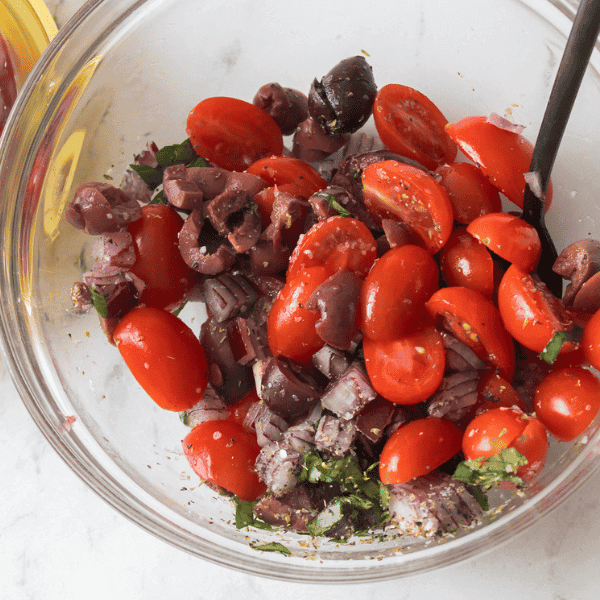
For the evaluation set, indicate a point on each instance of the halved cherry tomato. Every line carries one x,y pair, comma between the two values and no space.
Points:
232,133
158,260
393,296
164,355
530,313
500,428
475,320
409,369
590,341
466,262
417,448
279,170
337,243
291,326
396,191
469,190
566,401
411,125
224,453
503,156
510,237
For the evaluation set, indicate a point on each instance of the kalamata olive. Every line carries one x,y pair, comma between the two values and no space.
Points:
312,144
287,106
342,101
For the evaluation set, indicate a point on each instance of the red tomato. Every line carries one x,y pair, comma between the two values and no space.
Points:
290,326
265,198
509,237
411,125
475,320
396,191
278,170
590,341
393,296
469,190
232,133
164,356
406,370
500,428
224,453
417,448
466,262
530,312
566,401
337,243
158,260
238,412
503,156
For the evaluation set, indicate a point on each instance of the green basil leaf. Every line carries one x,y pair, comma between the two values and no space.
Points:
152,177
331,515
333,203
502,466
159,198
244,513
99,302
272,547
552,349
176,154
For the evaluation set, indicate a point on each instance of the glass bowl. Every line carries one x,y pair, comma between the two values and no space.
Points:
125,72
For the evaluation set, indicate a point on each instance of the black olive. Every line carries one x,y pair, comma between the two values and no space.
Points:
343,100
287,106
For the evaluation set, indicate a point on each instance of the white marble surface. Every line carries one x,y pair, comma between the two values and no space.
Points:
58,540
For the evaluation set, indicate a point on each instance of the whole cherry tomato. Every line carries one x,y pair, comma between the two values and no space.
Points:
510,237
590,341
291,326
411,125
469,190
158,260
409,369
337,243
503,156
224,453
530,313
232,133
417,448
393,190
466,262
475,320
393,296
566,401
500,428
164,356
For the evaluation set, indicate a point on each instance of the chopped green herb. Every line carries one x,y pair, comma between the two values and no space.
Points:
272,547
244,515
178,311
552,349
184,417
332,514
99,302
330,198
159,198
152,177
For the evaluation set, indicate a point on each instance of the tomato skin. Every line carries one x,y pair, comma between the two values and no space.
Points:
396,191
337,243
417,448
566,401
164,355
529,311
238,412
503,156
232,133
475,320
500,428
466,262
469,190
409,369
393,296
291,327
411,125
590,341
158,260
510,237
224,453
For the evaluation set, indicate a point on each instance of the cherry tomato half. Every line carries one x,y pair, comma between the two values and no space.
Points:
158,260
510,237
590,341
224,453
393,190
393,296
503,156
566,401
411,125
337,243
164,356
409,369
475,320
417,448
232,133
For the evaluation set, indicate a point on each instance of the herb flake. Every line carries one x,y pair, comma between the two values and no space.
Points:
333,203
99,302
272,547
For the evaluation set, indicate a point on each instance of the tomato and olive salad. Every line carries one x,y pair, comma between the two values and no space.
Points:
379,350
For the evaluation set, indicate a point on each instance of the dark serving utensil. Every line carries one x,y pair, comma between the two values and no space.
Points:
576,56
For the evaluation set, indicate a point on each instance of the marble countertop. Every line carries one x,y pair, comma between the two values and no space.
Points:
58,540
